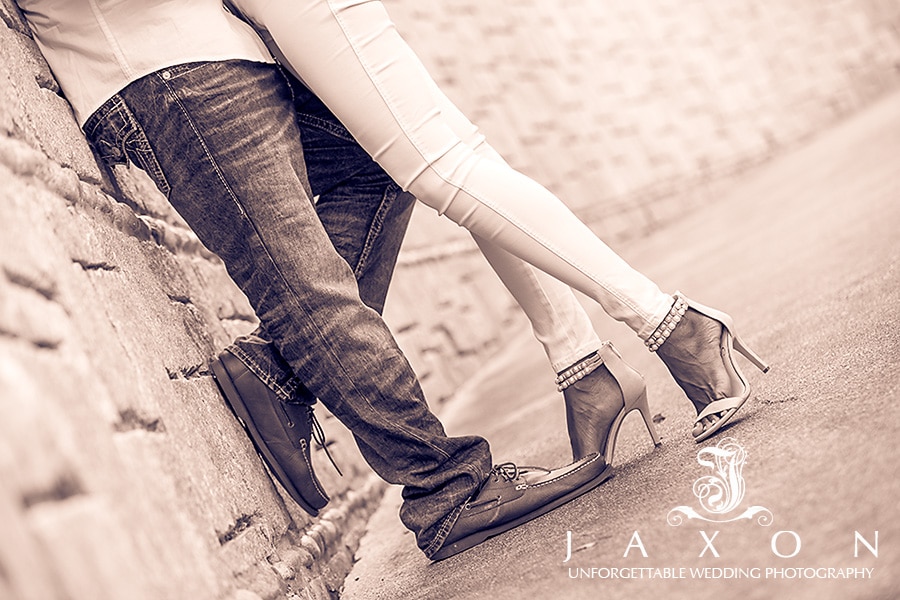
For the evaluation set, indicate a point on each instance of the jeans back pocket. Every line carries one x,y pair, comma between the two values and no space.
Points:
119,139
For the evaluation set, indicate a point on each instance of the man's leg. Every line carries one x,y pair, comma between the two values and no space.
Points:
365,214
207,161
222,142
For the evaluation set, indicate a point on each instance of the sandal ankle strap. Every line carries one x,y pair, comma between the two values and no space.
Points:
665,329
578,371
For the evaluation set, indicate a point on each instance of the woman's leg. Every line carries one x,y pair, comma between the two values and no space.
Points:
558,320
350,55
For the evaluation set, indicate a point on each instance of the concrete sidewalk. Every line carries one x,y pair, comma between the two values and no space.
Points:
804,253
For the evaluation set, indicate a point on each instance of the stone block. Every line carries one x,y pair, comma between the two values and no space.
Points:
32,110
25,571
12,17
90,552
144,197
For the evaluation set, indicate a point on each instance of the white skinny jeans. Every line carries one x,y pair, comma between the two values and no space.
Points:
350,55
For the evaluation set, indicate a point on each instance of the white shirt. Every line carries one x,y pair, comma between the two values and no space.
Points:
97,47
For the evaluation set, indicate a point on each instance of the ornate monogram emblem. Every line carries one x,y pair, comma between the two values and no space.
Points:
720,494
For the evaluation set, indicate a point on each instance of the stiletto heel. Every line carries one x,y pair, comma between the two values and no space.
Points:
724,408
750,354
644,407
728,323
589,428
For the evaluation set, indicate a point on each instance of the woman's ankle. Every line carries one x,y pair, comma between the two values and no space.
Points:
693,356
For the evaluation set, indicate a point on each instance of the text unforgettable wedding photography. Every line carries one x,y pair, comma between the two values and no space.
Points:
719,495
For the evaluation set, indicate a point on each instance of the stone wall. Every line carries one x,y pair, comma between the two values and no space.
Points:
125,476
123,473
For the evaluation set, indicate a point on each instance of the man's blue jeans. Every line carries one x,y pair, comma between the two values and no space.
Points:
222,141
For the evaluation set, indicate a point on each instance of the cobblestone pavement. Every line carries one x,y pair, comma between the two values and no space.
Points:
803,252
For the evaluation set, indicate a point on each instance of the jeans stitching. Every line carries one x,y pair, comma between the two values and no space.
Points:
263,375
128,137
284,281
326,126
184,69
378,416
148,161
391,192
449,522
451,519
373,232
213,162
100,115
110,128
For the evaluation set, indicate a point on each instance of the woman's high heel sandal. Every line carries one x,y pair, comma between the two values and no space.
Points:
724,408
588,389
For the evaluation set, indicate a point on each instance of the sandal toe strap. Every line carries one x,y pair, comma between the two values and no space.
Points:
718,406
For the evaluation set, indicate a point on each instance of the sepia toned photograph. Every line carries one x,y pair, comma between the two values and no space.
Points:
483,300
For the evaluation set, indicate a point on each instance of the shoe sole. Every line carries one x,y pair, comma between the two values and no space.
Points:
480,536
233,399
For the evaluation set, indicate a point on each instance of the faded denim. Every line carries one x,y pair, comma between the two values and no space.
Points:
222,141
